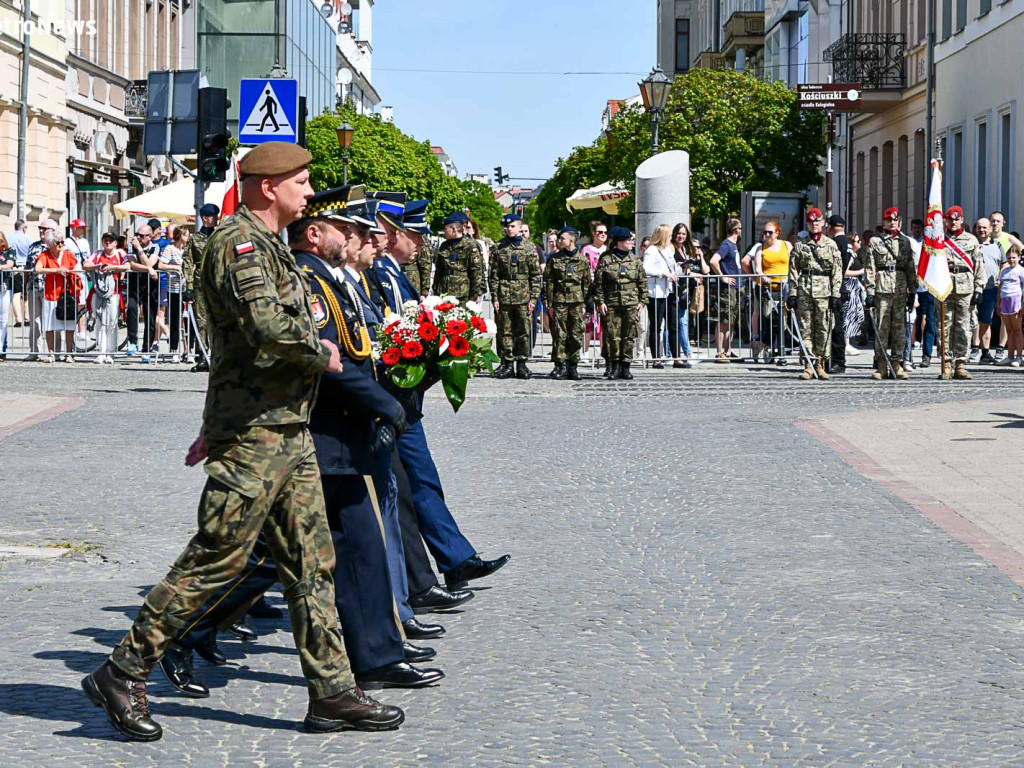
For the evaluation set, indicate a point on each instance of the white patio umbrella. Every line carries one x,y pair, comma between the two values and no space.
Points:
604,196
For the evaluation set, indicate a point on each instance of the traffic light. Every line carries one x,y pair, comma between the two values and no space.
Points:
499,177
213,134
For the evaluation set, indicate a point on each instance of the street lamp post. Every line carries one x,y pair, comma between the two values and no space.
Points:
345,132
654,91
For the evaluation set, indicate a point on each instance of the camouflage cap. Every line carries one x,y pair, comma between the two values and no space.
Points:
273,159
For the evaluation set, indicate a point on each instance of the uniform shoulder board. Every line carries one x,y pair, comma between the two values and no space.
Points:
243,248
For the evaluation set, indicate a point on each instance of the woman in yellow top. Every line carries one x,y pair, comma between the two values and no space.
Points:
771,259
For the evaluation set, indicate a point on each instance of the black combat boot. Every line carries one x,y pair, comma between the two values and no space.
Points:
351,709
124,701
505,370
558,372
522,372
611,369
624,371
572,372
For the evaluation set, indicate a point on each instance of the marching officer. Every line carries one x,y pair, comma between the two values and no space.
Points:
209,214
892,281
459,265
567,283
514,285
815,284
620,293
967,270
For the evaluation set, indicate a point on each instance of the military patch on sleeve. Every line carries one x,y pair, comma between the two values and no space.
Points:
244,248
321,315
250,280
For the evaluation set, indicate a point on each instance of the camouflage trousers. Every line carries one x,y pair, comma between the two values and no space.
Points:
567,329
266,480
620,329
513,323
958,326
199,311
890,319
815,325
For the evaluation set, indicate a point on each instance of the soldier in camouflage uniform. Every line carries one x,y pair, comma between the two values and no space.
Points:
892,279
192,266
967,271
567,283
620,292
459,265
263,475
815,281
514,284
418,270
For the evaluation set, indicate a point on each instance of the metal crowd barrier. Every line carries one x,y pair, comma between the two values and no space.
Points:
150,321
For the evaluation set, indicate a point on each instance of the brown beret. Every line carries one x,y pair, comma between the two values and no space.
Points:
274,158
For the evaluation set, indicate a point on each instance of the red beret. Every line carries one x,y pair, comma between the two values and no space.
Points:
814,215
891,214
954,210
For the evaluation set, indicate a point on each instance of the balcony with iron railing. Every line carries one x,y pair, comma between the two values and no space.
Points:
876,60
135,97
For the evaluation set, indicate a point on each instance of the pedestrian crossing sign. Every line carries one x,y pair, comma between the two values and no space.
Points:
268,110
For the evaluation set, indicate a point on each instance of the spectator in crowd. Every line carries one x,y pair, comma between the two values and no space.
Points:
660,266
106,266
58,266
20,242
688,263
771,259
645,244
1011,287
6,275
853,304
1005,239
78,245
143,290
994,258
726,262
592,252
35,284
171,261
473,231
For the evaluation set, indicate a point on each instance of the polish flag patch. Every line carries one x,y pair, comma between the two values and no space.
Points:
243,248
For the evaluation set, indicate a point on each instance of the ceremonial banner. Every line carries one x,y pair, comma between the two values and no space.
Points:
933,269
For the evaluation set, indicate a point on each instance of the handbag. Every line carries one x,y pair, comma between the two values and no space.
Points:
66,308
697,302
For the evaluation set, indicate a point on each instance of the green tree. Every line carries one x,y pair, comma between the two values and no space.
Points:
381,157
585,167
479,199
741,133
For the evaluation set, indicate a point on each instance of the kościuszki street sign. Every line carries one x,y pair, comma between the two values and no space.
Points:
830,97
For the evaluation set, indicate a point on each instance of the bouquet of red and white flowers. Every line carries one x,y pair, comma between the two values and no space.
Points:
441,337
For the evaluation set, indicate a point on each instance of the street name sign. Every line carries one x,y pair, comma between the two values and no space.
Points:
268,110
830,97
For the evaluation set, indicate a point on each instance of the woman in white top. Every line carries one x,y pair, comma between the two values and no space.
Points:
171,261
660,266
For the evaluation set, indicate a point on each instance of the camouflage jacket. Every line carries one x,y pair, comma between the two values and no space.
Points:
889,267
192,260
567,279
816,269
966,280
514,272
418,270
459,270
265,354
619,280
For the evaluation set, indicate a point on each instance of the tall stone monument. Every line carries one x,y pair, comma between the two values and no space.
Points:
662,192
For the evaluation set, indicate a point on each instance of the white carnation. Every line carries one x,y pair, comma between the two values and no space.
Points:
411,304
432,301
473,307
451,300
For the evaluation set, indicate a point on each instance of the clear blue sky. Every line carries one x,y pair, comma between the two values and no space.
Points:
521,122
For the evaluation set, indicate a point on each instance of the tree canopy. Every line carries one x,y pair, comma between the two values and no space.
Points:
485,210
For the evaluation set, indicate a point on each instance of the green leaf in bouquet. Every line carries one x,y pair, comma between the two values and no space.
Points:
480,344
407,376
454,376
488,360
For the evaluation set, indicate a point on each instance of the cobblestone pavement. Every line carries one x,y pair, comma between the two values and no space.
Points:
695,581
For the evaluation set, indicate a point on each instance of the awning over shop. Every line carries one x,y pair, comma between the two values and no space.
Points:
174,201
604,196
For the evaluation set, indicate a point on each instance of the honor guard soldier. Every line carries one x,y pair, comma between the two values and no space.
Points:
514,284
620,292
892,280
815,285
209,214
418,270
459,265
967,271
567,284
266,364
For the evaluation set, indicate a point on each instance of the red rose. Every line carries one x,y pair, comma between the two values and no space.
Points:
445,306
391,356
412,349
459,347
456,327
428,331
479,323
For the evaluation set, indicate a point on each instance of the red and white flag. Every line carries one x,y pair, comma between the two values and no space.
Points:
933,269
231,194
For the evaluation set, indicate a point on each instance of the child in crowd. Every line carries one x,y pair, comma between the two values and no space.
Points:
107,265
1011,287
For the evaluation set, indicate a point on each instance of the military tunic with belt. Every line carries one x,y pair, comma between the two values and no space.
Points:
968,276
891,277
514,283
567,283
459,270
418,270
621,284
816,274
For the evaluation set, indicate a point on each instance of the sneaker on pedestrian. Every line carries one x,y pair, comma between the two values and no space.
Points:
146,359
975,355
852,350
176,359
1015,363
925,361
987,357
917,345
1000,353
156,347
99,360
132,349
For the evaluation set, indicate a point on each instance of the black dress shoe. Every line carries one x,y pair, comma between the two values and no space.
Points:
208,649
176,665
415,630
262,609
414,654
473,568
438,598
351,709
397,675
837,369
124,701
244,631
